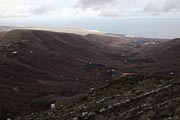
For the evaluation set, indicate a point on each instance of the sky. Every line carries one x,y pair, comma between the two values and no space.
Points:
148,18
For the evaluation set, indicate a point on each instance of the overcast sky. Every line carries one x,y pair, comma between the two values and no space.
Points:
118,16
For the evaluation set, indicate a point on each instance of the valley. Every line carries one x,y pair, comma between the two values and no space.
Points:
87,76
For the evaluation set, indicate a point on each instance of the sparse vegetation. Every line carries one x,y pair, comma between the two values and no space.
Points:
119,100
91,77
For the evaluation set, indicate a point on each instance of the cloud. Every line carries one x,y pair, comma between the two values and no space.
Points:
118,8
110,8
39,10
103,8
96,4
8,8
110,13
90,8
163,7
20,8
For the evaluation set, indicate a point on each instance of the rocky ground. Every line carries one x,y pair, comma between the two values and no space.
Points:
137,97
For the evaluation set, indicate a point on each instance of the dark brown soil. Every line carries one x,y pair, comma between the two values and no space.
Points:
38,68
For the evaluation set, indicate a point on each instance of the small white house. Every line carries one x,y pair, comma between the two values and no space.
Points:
84,114
15,52
53,106
91,89
171,73
7,45
113,70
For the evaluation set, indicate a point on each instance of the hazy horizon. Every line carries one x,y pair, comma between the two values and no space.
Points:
151,18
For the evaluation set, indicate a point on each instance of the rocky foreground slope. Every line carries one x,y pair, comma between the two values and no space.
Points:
137,97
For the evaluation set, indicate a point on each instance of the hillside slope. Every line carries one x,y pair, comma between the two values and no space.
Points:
39,67
137,97
165,57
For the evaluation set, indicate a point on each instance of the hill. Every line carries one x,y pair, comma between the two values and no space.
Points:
38,68
165,57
